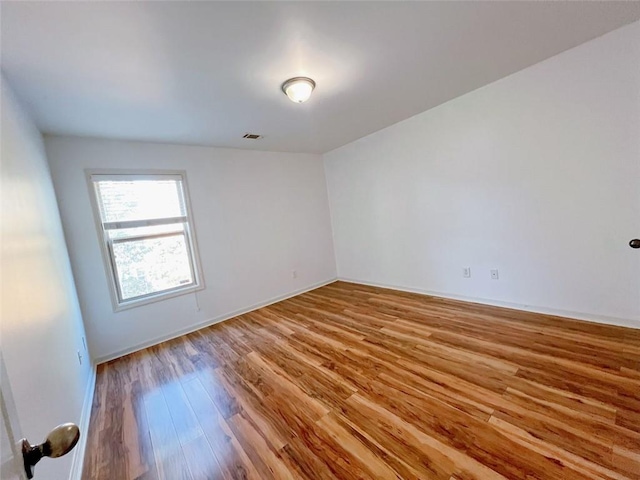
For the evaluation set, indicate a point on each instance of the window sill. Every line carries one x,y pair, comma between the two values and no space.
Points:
156,298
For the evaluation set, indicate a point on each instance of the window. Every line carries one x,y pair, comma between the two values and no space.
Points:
147,236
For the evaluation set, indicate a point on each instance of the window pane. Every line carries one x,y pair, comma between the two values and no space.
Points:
124,200
152,265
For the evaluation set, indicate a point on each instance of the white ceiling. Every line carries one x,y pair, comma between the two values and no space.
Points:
207,72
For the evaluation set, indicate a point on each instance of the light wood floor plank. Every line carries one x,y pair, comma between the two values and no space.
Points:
356,382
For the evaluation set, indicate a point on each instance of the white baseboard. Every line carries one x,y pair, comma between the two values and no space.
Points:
78,456
619,322
211,321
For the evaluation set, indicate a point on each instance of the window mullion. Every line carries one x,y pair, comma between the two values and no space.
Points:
135,238
143,223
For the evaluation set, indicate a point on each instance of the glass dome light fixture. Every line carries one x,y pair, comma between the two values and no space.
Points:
298,89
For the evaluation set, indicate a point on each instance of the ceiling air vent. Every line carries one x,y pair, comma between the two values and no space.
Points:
252,136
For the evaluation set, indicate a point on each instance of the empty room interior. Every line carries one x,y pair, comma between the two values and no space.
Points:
320,240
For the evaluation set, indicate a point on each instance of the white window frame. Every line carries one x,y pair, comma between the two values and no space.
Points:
106,243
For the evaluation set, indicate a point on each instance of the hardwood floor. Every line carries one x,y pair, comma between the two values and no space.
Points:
355,382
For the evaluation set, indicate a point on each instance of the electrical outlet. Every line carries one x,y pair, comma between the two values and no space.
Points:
466,272
79,357
294,274
494,274
84,343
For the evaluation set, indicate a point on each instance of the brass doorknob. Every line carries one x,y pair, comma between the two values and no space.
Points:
635,243
59,442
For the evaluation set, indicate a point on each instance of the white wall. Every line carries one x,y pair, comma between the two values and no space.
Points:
537,174
41,327
258,216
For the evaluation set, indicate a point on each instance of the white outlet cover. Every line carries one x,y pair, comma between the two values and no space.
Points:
494,274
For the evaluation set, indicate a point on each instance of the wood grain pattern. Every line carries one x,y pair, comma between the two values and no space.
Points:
356,382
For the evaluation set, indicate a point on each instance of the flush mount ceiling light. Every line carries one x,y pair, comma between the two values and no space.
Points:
298,89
